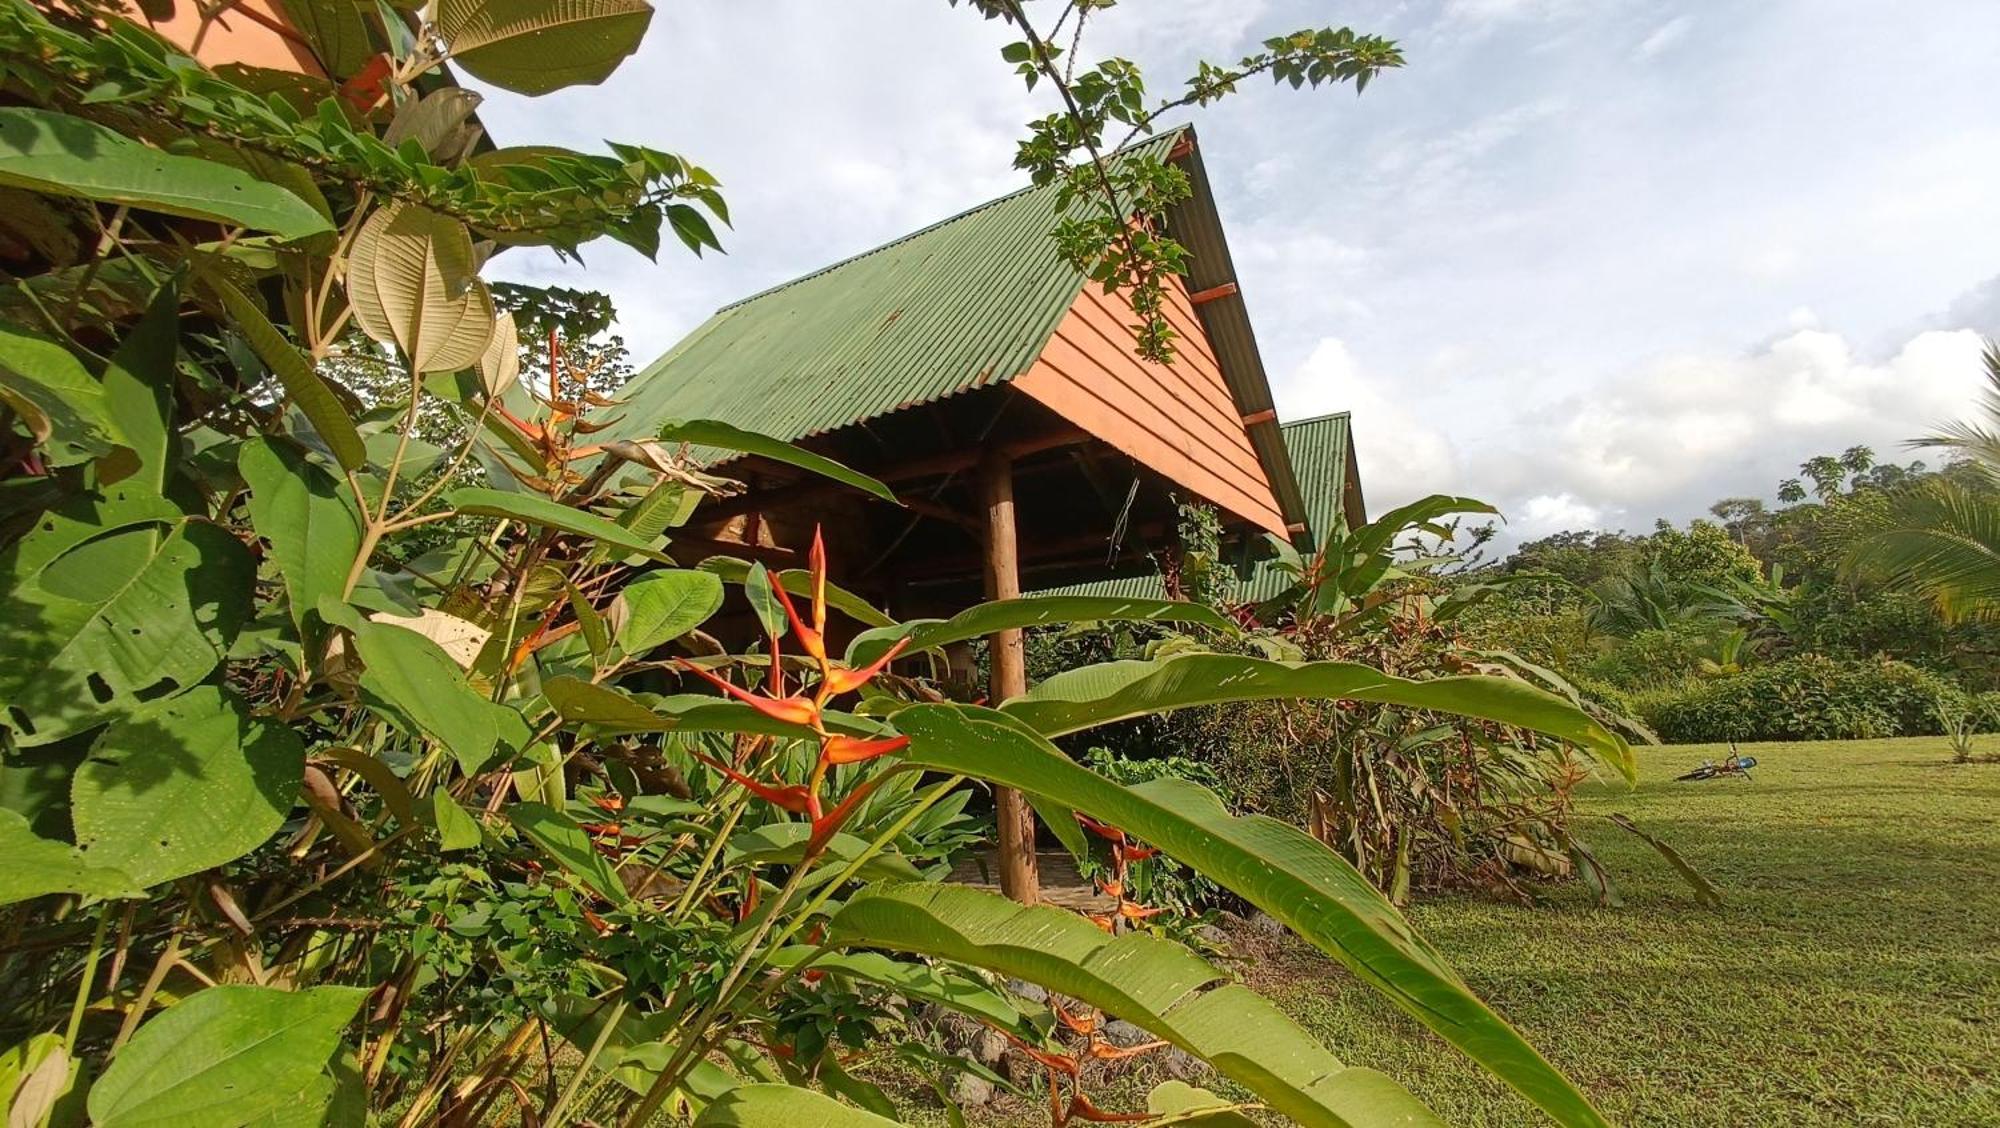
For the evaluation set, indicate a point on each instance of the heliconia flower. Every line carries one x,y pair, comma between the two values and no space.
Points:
853,750
811,639
1085,1024
791,710
843,680
817,560
1100,829
795,798
1104,1051
825,826
1132,910
1137,853
1080,1108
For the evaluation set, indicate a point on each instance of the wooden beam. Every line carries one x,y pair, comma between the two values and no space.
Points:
1264,416
1043,553
1203,297
950,462
1007,653
940,512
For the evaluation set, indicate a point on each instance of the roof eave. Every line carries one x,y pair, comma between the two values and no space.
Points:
1196,223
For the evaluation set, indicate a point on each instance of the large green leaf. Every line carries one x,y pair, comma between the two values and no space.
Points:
183,785
714,433
760,1106
1089,696
420,686
1031,611
534,509
301,383
1153,983
942,985
312,524
139,385
224,1055
68,156
335,31
101,616
1277,867
37,866
561,838
64,408
662,606
412,281
535,46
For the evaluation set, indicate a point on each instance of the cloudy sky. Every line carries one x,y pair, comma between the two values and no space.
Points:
1597,261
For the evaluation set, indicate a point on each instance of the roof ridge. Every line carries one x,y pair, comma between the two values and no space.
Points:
1328,417
933,226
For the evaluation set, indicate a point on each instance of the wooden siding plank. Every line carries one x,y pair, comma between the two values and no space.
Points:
1177,419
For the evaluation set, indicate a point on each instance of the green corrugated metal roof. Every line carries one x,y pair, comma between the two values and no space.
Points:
1319,459
962,304
1319,449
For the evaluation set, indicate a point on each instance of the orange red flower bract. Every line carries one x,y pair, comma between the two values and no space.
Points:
834,749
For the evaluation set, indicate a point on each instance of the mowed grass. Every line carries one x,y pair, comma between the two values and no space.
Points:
1852,977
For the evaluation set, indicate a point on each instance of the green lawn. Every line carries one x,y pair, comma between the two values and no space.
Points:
1853,977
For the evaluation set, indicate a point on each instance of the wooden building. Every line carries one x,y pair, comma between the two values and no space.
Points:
1000,396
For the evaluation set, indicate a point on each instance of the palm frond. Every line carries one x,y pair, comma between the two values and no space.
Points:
1979,441
1939,539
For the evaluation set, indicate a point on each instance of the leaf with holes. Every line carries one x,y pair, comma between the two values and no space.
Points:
1155,984
535,46
69,156
225,1055
183,785
37,866
102,617
412,281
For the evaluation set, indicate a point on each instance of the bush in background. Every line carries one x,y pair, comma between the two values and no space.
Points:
1807,697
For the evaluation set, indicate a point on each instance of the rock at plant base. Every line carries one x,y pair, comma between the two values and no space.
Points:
1264,924
1124,1034
1183,1066
1033,992
970,1038
968,1090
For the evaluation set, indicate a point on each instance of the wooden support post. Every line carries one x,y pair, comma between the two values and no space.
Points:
1007,654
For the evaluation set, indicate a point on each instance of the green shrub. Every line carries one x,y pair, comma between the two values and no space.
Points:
1651,657
1807,697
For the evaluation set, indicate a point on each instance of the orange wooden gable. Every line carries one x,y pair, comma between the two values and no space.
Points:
252,32
1177,419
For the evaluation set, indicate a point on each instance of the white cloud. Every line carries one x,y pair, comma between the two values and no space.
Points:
1666,439
1544,514
1402,457
1663,37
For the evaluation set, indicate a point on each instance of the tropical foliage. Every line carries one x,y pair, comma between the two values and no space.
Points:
1941,537
310,820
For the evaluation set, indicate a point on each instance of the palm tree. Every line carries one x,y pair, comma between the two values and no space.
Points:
1941,536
